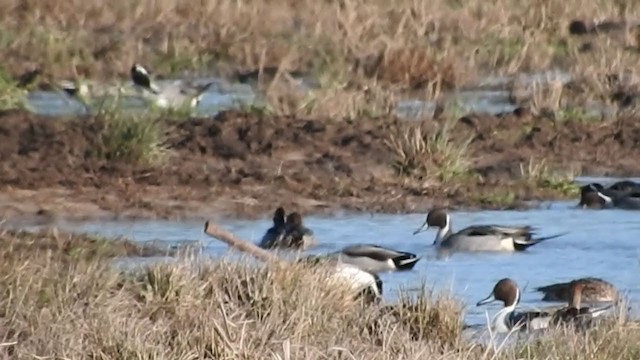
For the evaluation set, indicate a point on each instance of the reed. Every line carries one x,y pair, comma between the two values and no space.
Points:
404,47
63,298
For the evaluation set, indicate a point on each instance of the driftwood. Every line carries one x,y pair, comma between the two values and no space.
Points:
370,288
219,233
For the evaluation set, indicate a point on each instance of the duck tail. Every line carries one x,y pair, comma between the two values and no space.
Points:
405,261
522,244
595,312
554,292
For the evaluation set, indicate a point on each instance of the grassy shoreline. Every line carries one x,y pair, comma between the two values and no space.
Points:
162,167
364,54
60,304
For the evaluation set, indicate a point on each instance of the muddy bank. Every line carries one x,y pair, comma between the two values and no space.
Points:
243,164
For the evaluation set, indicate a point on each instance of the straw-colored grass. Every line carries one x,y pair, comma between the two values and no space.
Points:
62,298
137,140
401,46
430,156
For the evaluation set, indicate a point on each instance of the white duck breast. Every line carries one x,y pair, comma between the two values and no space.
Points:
363,283
169,93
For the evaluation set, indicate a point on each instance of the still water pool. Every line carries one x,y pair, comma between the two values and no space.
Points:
599,243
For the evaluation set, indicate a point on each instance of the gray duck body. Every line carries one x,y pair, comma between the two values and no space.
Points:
480,237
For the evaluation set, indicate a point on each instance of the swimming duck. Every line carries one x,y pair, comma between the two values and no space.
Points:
576,314
594,290
591,198
289,233
623,194
296,235
86,90
507,319
506,290
272,236
479,237
173,94
628,200
625,185
375,258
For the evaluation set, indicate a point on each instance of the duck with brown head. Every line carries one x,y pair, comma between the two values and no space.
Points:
623,195
594,290
575,313
507,319
592,200
479,237
296,235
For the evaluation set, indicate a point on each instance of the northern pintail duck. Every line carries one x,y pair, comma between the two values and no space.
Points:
507,319
274,233
173,94
624,200
479,237
623,194
594,290
591,198
575,313
86,90
375,258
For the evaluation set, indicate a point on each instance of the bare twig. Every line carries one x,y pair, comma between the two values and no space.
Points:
219,233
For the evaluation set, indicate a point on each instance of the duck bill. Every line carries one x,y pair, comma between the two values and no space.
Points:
487,300
423,227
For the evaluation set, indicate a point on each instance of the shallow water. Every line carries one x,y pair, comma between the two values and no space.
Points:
219,97
600,243
490,95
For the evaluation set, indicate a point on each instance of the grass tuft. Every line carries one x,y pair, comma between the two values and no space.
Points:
11,96
541,175
435,157
55,305
139,140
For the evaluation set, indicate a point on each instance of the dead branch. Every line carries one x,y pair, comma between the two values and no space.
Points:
219,233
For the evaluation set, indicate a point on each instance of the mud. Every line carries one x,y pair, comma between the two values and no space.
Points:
244,164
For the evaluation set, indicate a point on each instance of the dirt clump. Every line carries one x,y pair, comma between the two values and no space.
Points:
245,164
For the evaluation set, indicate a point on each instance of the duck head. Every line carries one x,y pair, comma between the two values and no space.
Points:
591,200
278,216
591,197
437,218
505,290
294,219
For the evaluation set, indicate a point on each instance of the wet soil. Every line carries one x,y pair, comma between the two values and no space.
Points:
245,164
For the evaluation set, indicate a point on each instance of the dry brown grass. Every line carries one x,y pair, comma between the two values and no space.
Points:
431,156
72,304
349,45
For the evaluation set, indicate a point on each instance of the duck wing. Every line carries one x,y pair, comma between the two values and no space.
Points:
595,290
522,235
402,260
272,238
582,317
555,292
496,230
375,252
532,320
